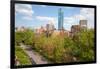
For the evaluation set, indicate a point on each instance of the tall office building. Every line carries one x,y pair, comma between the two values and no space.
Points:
83,23
50,27
60,19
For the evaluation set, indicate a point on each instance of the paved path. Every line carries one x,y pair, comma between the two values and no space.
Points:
35,57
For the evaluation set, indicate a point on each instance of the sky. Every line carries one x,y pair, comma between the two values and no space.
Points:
35,16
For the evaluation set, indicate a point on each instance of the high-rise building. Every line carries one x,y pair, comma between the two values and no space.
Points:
60,19
75,29
83,23
50,27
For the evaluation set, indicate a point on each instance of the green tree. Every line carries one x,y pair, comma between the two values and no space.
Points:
85,45
19,37
27,37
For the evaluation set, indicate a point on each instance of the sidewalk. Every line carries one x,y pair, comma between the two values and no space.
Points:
35,57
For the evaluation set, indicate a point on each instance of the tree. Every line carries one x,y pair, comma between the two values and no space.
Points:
19,37
29,37
85,45
26,37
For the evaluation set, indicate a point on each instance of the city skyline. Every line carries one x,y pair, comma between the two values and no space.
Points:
35,16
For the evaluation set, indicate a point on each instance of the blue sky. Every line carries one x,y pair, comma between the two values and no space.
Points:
35,16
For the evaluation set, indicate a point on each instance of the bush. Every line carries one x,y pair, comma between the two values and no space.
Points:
26,37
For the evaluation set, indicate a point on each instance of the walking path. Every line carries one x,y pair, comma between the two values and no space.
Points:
35,57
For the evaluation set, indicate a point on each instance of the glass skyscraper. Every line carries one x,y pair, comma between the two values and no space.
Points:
60,19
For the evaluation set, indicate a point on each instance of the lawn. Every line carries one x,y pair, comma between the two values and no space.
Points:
22,56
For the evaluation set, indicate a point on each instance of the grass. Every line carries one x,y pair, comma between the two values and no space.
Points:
22,56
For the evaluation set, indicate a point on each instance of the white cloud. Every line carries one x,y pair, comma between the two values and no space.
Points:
85,13
27,18
80,17
42,18
88,13
25,10
69,20
45,18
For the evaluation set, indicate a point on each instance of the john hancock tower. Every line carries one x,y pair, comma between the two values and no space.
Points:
60,19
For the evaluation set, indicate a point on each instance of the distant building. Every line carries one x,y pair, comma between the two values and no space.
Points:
60,19
40,30
20,29
75,29
83,23
49,29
